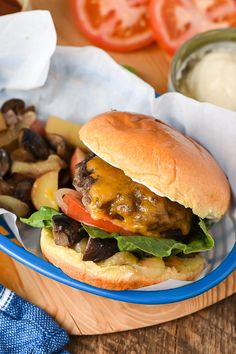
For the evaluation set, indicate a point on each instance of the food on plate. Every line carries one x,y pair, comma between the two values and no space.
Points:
68,130
33,143
174,22
120,26
8,137
211,76
20,154
36,169
44,189
145,196
3,125
14,111
14,205
5,162
33,163
61,146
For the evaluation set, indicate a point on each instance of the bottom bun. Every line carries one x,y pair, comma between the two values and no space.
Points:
121,271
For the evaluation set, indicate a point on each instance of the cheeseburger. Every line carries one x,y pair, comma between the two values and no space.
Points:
143,200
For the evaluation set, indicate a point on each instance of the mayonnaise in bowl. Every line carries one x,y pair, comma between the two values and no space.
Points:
207,73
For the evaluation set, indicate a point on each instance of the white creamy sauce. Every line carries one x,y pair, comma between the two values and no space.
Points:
212,76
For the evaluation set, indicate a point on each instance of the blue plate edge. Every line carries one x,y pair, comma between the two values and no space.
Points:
155,297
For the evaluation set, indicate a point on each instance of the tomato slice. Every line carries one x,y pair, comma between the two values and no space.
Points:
74,208
175,21
78,156
116,25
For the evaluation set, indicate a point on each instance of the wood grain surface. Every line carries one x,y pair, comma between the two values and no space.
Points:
83,313
212,330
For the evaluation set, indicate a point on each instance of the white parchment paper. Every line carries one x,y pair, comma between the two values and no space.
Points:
27,41
83,82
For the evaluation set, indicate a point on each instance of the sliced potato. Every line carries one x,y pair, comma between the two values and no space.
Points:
3,125
36,169
8,138
69,130
44,189
14,205
151,266
80,247
120,258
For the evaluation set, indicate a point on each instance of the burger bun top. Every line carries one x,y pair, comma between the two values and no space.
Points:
164,160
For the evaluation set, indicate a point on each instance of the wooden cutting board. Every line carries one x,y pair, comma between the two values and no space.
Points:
79,312
83,313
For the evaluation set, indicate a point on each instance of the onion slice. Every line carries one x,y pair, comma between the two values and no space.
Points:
60,193
74,208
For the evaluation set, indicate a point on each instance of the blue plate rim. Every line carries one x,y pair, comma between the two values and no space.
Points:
149,297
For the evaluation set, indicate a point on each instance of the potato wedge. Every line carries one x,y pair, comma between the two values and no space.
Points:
68,130
44,189
36,169
3,125
21,154
14,205
8,138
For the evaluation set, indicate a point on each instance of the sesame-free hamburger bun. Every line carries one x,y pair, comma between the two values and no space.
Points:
168,164
158,156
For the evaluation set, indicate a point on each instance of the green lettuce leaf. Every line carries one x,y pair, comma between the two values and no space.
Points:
130,68
41,218
93,232
198,241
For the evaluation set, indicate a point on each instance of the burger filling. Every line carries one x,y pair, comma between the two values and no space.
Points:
109,193
159,227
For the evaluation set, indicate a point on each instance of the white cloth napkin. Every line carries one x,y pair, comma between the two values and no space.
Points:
27,41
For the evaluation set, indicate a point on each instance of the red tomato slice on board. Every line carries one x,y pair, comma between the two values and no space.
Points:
74,208
175,21
116,25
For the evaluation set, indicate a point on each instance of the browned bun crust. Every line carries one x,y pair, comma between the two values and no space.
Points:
161,158
132,275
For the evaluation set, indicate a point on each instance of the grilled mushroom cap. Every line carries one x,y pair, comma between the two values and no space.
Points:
14,104
5,162
99,249
5,188
65,230
34,143
60,146
12,110
23,190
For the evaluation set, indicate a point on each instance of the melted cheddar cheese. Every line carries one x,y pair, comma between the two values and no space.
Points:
131,205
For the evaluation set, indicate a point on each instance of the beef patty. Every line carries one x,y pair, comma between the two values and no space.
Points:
109,193
83,180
